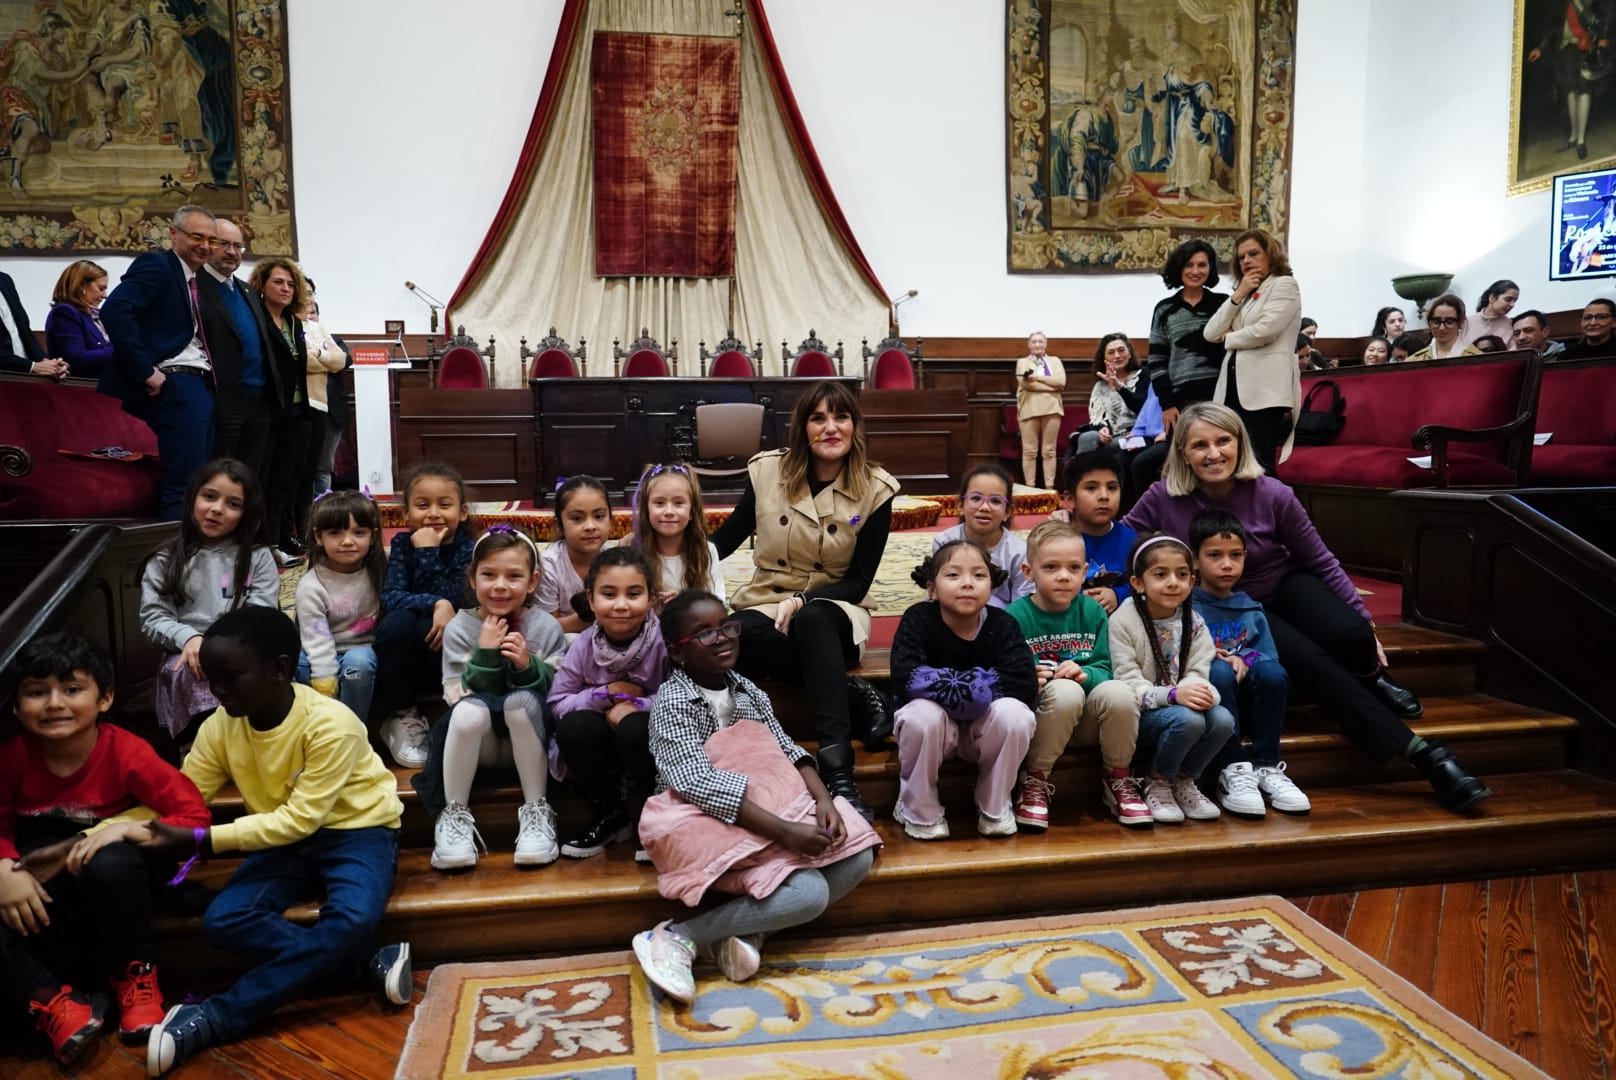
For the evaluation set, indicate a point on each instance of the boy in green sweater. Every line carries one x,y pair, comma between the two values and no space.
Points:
1077,700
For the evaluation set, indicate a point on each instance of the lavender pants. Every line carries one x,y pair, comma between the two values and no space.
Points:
928,736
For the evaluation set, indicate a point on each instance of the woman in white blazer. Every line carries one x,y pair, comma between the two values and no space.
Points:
1258,327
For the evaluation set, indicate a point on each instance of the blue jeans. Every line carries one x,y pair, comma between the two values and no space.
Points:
353,867
183,422
1258,703
356,678
1185,739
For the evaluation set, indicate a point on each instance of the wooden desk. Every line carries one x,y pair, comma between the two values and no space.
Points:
989,384
486,434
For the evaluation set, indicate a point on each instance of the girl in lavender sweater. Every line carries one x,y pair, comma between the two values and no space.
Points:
602,695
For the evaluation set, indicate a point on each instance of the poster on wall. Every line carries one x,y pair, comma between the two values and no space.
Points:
1563,102
118,111
1132,127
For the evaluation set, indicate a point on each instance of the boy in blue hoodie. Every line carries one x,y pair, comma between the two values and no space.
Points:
1247,673
1094,482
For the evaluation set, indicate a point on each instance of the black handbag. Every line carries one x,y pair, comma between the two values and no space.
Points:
1319,426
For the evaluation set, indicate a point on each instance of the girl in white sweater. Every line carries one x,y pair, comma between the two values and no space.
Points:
1161,650
339,599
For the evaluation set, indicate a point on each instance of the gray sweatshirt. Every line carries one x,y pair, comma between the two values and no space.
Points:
210,592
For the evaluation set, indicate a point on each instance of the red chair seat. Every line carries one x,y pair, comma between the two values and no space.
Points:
893,371
1387,467
645,364
731,364
462,369
553,364
64,487
813,365
1573,465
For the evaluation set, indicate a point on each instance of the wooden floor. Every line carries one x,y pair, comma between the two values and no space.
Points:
1531,961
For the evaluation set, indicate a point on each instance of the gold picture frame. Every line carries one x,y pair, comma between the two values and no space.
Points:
1551,69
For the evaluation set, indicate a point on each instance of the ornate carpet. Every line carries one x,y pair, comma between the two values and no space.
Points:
1218,989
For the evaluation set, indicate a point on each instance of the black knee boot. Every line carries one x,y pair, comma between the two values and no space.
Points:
1454,785
836,770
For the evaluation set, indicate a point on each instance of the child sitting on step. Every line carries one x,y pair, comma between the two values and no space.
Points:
670,529
968,684
583,511
339,599
984,521
735,783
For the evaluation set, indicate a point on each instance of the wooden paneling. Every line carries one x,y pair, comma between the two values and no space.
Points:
486,434
918,436
989,382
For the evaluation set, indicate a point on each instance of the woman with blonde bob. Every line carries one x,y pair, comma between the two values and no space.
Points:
1323,630
820,511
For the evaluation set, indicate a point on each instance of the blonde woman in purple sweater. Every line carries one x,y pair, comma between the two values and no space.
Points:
1325,636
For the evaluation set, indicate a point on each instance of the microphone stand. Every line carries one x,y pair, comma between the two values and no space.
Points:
432,302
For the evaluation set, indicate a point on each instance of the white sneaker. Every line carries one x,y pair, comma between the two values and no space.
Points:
1159,797
536,834
1280,790
738,958
404,734
938,831
455,839
1237,790
1003,825
1196,807
666,957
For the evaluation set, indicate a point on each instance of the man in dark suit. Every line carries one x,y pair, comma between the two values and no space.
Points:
249,391
20,350
160,365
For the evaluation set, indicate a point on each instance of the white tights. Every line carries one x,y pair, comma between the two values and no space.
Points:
471,742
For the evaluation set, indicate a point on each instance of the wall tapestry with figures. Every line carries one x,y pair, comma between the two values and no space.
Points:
115,112
1132,126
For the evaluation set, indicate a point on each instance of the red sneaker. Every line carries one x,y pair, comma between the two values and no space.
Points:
1120,791
1032,805
140,1002
69,1021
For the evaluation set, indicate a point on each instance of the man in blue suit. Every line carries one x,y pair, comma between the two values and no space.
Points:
20,350
160,365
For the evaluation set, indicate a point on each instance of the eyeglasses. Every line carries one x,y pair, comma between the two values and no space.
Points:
230,245
712,635
1441,320
975,500
1597,316
200,238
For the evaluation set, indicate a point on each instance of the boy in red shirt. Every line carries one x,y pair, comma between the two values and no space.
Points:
73,908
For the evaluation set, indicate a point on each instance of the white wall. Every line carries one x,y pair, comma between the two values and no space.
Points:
406,127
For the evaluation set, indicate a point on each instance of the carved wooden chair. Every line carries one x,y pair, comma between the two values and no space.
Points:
812,360
457,364
555,359
730,358
895,367
645,356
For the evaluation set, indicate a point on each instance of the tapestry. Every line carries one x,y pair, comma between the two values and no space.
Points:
116,112
666,113
1231,989
1562,95
1133,127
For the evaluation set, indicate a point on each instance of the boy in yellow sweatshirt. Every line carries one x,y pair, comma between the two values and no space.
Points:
322,818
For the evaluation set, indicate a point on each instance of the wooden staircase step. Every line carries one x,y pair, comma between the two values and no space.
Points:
1356,836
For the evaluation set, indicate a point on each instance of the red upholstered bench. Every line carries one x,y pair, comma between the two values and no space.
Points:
39,418
1010,438
1472,415
1577,402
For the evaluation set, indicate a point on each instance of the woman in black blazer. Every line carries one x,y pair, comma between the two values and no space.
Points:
285,292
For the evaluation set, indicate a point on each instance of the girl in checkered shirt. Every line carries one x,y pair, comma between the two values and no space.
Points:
806,850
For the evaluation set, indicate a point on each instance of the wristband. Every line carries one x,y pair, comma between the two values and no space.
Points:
1172,696
199,834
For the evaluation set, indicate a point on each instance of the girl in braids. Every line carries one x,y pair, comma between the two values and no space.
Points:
1161,649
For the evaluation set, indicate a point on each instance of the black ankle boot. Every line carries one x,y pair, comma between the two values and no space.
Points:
836,770
1398,699
871,713
1454,785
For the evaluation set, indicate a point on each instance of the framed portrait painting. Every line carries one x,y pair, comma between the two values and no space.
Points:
1132,127
1563,102
119,111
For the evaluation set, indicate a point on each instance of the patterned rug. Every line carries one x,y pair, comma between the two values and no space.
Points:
1220,989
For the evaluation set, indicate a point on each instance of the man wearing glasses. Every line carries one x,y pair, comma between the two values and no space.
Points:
248,388
160,365
1598,322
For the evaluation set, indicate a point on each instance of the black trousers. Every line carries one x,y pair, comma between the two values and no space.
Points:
406,666
1327,648
286,490
815,654
244,429
101,922
599,755
1267,428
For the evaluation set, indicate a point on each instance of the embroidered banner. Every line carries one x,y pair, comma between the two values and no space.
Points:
667,110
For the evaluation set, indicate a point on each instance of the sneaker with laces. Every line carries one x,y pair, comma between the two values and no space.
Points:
1120,792
1003,825
456,842
69,1020
1159,798
1032,802
536,834
140,1002
608,828
405,736
184,1031
738,958
915,831
1196,806
392,974
666,957
1281,790
1238,792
